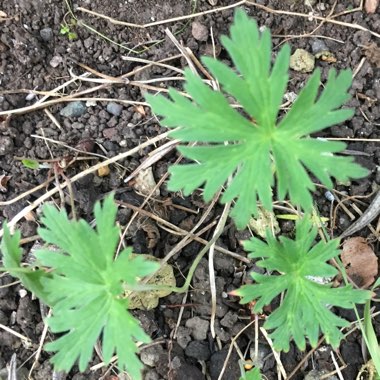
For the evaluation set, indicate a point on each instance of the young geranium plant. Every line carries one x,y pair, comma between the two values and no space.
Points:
306,308
84,285
249,148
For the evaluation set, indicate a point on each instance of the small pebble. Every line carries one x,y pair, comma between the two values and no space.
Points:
290,96
198,350
150,355
6,145
329,196
199,327
90,103
46,34
317,46
55,61
74,109
199,31
114,108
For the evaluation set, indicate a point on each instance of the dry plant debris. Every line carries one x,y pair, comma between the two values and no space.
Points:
371,5
360,261
3,182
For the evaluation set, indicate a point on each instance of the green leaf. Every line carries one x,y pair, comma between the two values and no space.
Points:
85,286
253,374
30,164
305,309
12,254
64,29
246,148
72,36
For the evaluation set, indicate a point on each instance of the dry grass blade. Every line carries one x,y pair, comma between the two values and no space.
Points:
211,269
220,377
15,333
276,355
314,17
168,21
187,234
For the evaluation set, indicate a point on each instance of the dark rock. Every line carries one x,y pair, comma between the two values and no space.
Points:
182,370
229,319
198,350
232,370
46,34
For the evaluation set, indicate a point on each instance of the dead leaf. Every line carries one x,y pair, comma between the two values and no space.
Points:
30,216
360,261
372,52
4,122
3,182
145,182
140,109
371,5
147,300
3,16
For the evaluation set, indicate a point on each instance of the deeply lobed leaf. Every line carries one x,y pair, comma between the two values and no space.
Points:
245,149
12,255
84,285
305,310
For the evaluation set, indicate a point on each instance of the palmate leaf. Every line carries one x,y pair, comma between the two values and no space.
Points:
11,257
84,286
248,148
305,310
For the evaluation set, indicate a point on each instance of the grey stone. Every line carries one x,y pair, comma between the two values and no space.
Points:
56,61
221,332
199,327
3,318
198,350
182,370
114,108
46,34
151,355
6,145
199,31
74,109
229,319
88,42
217,362
317,46
183,336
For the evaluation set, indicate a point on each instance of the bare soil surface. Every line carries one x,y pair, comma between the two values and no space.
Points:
34,55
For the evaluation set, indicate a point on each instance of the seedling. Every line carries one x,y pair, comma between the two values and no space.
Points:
67,29
247,148
305,309
85,286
